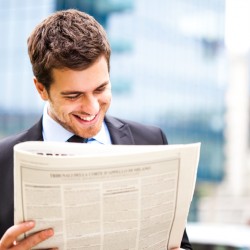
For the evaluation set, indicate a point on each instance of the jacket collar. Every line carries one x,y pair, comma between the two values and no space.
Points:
120,132
35,132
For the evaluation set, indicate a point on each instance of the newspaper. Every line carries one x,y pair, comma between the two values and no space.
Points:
111,197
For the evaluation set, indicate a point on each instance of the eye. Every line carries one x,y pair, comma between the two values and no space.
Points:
72,97
100,89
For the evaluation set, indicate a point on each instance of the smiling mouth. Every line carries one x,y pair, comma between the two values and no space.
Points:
86,118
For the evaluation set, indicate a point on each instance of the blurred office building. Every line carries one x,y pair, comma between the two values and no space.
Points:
231,201
170,67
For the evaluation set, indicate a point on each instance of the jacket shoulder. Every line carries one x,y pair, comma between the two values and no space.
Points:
141,133
7,143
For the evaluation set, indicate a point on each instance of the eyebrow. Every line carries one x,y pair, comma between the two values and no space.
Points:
64,93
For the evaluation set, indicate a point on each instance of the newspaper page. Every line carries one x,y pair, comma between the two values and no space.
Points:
111,197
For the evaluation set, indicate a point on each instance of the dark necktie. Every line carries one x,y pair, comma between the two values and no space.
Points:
78,139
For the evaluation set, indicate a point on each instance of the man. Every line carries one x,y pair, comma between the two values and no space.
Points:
70,56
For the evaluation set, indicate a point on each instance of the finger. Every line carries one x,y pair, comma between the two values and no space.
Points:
34,239
13,232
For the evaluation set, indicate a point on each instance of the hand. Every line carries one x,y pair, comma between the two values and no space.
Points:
177,248
9,239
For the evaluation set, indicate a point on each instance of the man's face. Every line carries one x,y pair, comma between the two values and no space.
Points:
79,100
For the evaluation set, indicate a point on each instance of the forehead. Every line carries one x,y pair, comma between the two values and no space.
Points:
86,79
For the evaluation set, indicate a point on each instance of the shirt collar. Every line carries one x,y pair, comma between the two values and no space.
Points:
62,135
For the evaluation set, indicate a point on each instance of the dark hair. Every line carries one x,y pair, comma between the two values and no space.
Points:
66,39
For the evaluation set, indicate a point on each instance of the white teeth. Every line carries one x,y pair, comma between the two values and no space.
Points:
88,118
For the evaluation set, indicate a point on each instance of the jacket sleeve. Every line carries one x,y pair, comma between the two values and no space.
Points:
185,244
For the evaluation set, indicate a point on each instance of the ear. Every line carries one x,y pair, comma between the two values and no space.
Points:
41,89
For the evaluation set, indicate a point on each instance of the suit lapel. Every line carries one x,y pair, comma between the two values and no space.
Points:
120,132
35,132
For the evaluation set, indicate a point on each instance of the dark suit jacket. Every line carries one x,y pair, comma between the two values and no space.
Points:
121,132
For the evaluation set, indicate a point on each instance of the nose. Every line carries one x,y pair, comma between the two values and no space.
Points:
90,104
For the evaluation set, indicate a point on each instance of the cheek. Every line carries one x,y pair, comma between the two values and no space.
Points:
107,98
63,108
70,107
74,107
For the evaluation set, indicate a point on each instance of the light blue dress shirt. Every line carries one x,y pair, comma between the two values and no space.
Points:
62,135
